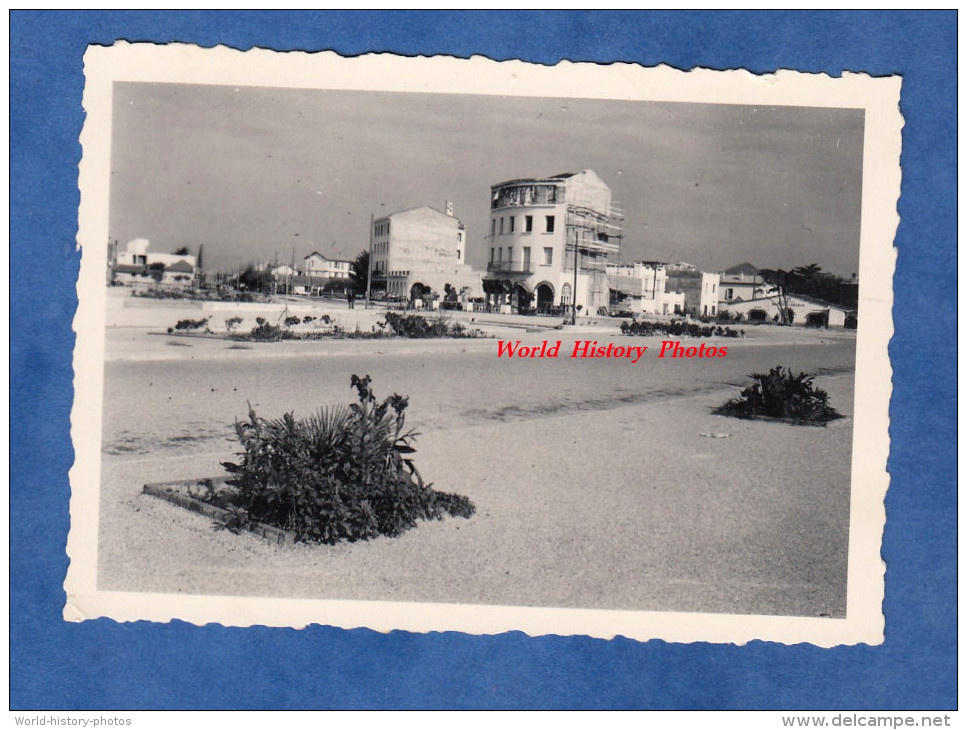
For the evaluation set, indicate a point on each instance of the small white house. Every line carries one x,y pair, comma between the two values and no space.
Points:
137,265
802,310
317,265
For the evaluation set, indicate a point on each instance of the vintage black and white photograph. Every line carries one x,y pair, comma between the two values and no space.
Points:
441,344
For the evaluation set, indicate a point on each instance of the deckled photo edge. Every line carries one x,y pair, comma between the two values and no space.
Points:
220,66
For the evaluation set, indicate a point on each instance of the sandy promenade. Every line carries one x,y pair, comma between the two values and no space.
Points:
597,484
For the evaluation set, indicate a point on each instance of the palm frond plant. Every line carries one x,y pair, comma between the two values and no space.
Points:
780,394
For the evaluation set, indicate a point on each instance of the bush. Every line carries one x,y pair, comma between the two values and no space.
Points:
190,325
342,474
676,329
265,332
415,326
232,322
202,295
779,394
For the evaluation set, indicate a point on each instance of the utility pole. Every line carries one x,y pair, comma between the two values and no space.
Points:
288,286
574,290
275,277
369,261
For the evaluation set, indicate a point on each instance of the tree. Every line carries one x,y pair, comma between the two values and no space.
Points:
782,282
182,251
360,273
255,280
156,270
810,280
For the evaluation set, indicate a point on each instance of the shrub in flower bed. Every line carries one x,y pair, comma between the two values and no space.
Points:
206,295
418,327
782,395
264,331
677,329
190,325
345,473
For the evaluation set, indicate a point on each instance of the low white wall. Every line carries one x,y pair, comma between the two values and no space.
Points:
164,313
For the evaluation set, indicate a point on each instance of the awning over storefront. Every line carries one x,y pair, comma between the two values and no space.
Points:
507,283
497,286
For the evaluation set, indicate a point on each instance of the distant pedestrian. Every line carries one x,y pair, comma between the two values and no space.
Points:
351,298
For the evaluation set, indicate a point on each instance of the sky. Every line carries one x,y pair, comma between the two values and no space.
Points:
254,173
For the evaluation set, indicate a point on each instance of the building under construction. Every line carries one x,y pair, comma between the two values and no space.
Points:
549,242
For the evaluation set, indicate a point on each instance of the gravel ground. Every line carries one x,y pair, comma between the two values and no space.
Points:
596,487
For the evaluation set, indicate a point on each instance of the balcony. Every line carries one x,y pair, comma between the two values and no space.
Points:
511,267
526,194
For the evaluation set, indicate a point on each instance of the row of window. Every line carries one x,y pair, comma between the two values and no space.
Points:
547,259
528,224
382,247
381,229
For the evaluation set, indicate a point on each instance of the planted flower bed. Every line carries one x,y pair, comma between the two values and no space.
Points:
780,395
678,329
413,326
345,473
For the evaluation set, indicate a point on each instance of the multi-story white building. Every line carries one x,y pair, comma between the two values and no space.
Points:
644,285
420,251
708,303
539,228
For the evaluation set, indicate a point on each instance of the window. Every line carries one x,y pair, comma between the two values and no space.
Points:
500,253
501,226
510,253
527,257
493,226
510,224
549,226
548,256
528,223
491,255
458,254
729,293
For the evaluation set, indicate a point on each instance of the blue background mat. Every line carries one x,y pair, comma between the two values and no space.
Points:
105,665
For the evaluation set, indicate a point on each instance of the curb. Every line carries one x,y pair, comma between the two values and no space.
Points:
172,492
